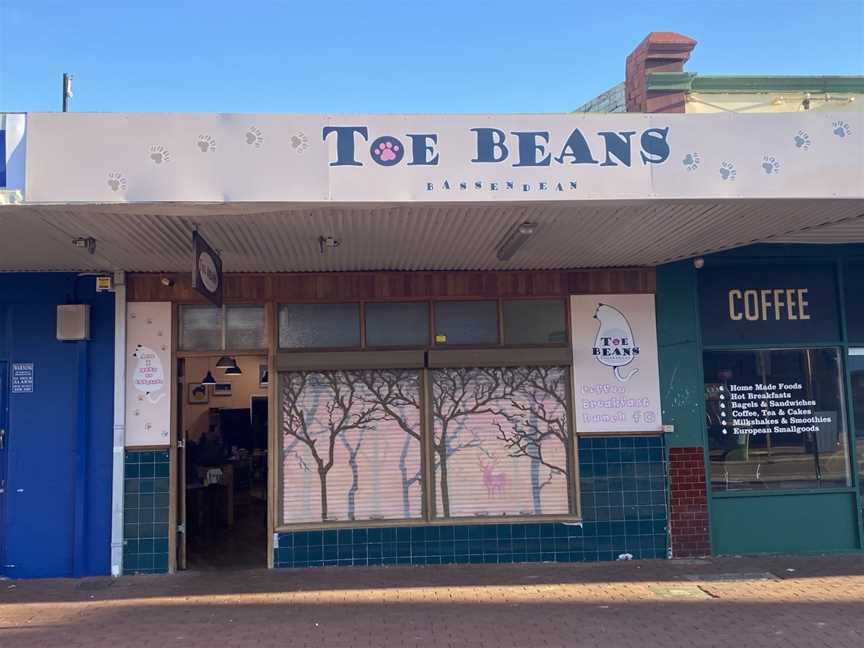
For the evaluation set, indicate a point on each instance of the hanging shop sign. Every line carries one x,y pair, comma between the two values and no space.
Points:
148,374
206,270
449,158
768,304
616,385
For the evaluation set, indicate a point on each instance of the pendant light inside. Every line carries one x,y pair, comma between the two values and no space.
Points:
233,371
208,379
225,362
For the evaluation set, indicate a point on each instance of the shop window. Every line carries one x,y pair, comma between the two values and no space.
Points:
397,324
534,321
200,328
244,327
500,442
310,326
775,419
466,322
351,446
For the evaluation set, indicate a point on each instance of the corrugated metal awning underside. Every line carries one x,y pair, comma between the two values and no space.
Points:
284,238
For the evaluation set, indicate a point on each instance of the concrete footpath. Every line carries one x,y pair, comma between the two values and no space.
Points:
793,602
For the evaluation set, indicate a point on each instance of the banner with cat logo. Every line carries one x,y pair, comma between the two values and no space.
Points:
148,374
616,383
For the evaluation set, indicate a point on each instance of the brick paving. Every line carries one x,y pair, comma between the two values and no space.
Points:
793,602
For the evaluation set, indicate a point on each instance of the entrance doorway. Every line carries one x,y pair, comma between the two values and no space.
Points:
856,375
223,425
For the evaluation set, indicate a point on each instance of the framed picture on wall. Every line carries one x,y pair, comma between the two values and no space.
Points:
263,376
222,389
198,394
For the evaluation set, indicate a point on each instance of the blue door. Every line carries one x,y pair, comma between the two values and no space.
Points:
4,451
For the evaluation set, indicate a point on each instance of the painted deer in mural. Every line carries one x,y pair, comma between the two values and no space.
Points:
495,482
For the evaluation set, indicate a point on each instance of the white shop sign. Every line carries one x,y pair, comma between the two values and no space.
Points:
80,157
616,384
149,375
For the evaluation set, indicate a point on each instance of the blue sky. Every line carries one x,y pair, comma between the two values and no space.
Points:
381,56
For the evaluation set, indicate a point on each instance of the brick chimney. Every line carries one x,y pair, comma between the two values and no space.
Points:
659,52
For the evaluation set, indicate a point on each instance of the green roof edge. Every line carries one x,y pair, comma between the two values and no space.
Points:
692,82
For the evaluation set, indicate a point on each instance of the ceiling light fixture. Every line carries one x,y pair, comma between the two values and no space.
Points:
208,379
515,240
233,371
225,362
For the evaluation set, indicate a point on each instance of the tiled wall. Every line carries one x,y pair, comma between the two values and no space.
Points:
145,512
623,490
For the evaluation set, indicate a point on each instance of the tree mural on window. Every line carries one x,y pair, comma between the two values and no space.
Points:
397,393
504,432
534,420
344,426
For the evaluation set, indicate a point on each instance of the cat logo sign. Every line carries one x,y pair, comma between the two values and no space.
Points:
614,345
616,383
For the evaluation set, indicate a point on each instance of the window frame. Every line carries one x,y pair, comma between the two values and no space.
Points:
224,349
567,332
429,516
429,324
307,349
844,410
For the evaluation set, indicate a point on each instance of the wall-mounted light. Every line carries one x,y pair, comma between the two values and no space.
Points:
698,263
328,242
85,243
166,281
515,240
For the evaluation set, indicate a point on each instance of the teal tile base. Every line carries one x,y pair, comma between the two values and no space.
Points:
623,490
145,512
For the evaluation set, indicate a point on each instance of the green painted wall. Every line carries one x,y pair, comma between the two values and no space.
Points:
771,523
681,390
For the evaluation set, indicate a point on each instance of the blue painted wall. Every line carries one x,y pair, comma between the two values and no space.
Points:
58,497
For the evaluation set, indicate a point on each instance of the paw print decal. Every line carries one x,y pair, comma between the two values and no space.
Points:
841,129
770,165
159,154
387,151
254,137
691,161
206,144
727,171
299,142
802,140
116,181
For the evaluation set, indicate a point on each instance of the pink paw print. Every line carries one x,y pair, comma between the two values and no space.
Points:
387,151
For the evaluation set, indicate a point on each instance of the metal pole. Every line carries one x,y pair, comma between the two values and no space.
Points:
67,90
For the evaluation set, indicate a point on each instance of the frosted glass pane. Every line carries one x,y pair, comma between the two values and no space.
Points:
405,324
535,321
245,327
200,328
466,322
309,326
